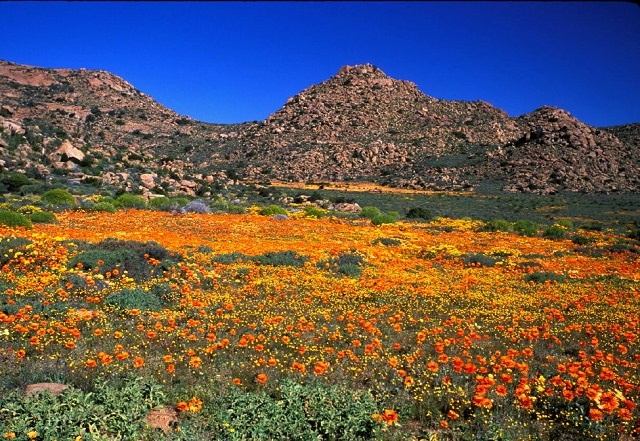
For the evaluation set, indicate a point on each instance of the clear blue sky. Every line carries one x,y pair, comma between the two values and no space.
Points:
229,62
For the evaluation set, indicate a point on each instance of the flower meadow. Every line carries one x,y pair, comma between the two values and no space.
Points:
328,328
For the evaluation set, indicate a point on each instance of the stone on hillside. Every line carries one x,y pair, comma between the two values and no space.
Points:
67,152
53,388
148,180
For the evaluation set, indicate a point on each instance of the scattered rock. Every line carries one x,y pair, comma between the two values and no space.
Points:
53,388
162,418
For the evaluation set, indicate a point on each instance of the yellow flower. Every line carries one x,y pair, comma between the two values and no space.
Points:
32,435
9,435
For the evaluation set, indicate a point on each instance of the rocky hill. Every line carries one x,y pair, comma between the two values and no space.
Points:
358,125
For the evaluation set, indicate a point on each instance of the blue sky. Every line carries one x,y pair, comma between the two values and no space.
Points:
229,62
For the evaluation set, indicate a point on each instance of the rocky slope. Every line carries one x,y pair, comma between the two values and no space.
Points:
358,125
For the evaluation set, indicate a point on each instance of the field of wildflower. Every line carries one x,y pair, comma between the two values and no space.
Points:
255,327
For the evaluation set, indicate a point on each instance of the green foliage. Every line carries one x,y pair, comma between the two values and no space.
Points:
162,203
419,213
313,211
43,217
13,219
369,212
230,258
544,276
565,223
578,239
128,200
526,228
555,231
14,181
9,246
58,197
136,298
345,264
387,241
118,410
297,412
271,210
498,225
281,258
479,259
385,218
105,207
129,256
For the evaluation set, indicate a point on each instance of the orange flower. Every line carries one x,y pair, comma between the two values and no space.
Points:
262,378
195,362
501,390
595,414
389,417
433,366
182,406
453,415
91,363
167,358
237,381
170,368
138,362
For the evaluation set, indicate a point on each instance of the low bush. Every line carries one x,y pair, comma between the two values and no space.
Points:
281,258
544,276
42,217
385,218
555,231
116,409
387,241
58,198
272,210
369,212
498,225
128,200
197,206
13,219
136,298
14,181
9,246
419,213
104,207
230,258
162,203
130,256
348,264
296,412
526,228
479,259
312,211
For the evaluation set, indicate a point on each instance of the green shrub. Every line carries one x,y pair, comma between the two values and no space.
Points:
14,181
230,258
526,228
128,200
419,213
136,298
346,264
555,231
162,203
387,241
11,245
297,412
544,276
13,219
42,217
58,197
312,211
498,225
578,239
385,218
129,256
272,210
281,258
565,223
104,207
479,259
369,212
116,409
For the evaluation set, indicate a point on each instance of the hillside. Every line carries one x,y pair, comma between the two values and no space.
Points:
359,125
